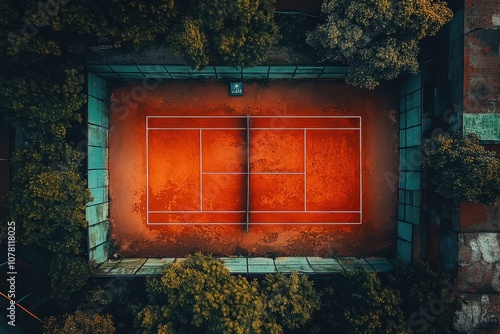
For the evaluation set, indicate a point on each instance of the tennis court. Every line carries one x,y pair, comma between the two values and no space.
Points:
253,170
290,169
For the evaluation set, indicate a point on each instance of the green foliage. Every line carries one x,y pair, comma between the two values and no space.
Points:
48,197
291,299
238,31
48,203
190,43
32,30
132,21
43,104
362,305
421,288
68,275
19,37
378,39
79,322
464,169
200,295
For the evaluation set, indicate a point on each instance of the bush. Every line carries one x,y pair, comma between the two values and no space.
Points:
428,302
79,322
200,295
132,22
48,203
48,197
463,168
291,299
240,32
43,103
361,305
378,39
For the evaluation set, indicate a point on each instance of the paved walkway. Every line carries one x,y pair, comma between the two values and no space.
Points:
251,265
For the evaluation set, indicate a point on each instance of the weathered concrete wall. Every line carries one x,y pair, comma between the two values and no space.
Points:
478,275
481,56
479,262
482,312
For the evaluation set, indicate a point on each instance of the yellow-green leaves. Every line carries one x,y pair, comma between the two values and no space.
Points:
238,31
199,295
378,39
464,169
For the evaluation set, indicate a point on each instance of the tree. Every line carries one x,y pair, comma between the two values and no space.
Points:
291,299
79,322
32,30
44,103
49,197
131,21
190,43
362,305
240,32
378,39
19,37
463,168
48,203
424,290
68,273
199,295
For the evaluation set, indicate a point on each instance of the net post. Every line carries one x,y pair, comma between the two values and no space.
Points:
247,226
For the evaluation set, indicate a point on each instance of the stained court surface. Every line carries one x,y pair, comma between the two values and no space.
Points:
253,170
292,169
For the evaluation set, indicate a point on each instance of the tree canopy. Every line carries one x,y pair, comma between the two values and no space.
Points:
79,322
199,295
238,31
463,168
43,103
378,39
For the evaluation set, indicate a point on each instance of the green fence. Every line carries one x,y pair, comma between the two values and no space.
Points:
410,158
179,72
98,210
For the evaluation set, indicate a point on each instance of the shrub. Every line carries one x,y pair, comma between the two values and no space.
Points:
48,197
428,302
378,39
463,168
48,203
79,322
362,305
131,21
240,32
291,299
199,295
44,103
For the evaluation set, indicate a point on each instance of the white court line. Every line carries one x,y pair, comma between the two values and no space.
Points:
201,174
223,173
360,176
276,173
274,129
248,174
253,173
147,173
305,170
254,223
196,211
244,116
255,211
177,129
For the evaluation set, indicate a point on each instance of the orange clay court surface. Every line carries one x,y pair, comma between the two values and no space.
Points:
288,169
